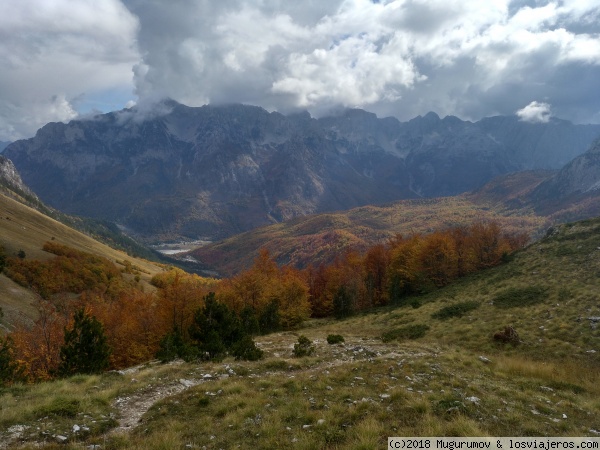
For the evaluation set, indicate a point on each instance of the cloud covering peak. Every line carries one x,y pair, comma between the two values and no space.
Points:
394,57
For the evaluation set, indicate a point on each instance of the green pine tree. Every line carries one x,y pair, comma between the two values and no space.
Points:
215,328
173,346
217,331
85,349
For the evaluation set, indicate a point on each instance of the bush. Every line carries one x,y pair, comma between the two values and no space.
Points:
335,339
522,296
9,368
246,349
61,407
457,310
2,258
173,346
304,347
415,331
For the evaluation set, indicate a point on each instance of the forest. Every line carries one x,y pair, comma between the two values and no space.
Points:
94,315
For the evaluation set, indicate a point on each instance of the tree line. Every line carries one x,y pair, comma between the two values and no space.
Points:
192,317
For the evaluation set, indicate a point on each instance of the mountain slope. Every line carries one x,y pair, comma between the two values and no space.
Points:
214,171
24,228
573,192
321,238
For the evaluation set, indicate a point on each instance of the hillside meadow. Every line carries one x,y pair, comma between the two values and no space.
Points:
427,365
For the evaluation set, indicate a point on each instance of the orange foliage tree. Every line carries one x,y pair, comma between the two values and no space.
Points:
266,285
37,347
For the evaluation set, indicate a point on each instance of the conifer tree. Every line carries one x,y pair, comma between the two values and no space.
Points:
85,349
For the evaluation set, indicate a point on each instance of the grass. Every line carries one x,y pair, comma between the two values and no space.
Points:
414,331
456,310
520,296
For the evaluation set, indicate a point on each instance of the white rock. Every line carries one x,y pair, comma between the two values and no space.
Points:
320,421
76,428
484,359
473,399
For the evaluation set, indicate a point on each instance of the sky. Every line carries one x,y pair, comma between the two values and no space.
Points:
67,59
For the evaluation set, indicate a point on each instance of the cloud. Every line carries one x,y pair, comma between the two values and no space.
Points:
535,112
57,55
393,57
401,57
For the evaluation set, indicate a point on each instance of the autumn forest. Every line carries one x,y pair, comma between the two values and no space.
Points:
87,302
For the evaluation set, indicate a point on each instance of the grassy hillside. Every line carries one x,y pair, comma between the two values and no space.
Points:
320,238
23,228
429,369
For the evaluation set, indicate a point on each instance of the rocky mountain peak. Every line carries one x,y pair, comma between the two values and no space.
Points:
11,180
170,171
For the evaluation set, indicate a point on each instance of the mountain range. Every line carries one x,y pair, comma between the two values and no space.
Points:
177,172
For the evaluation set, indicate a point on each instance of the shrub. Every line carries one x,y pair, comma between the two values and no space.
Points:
246,349
61,407
2,258
457,310
509,335
520,296
335,339
173,346
415,331
9,368
304,347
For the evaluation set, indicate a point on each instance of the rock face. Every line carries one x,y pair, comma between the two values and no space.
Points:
214,171
11,181
581,176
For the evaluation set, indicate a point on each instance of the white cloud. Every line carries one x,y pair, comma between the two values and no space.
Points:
396,57
535,112
58,52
